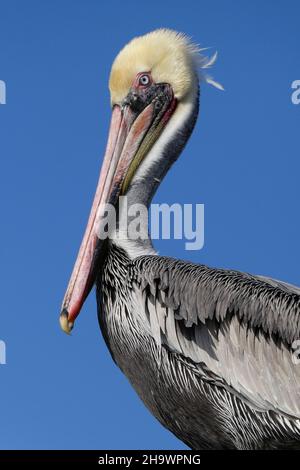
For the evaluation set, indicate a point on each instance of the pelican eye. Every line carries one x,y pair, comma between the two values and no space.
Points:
144,80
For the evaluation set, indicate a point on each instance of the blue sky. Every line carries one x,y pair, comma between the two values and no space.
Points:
242,162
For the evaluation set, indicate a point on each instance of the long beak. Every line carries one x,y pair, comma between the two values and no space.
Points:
125,136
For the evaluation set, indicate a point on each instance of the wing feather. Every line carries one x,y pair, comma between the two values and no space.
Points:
239,326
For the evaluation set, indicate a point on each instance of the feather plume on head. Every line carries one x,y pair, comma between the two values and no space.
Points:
171,57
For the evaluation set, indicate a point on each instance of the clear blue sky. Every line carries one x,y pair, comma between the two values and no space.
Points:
242,162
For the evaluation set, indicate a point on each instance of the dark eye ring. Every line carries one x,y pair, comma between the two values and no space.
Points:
144,80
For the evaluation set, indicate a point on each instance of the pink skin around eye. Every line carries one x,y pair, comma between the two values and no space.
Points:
137,84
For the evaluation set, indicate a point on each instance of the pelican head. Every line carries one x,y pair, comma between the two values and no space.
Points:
153,85
165,56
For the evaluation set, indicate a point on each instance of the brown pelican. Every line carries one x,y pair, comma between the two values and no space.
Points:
209,351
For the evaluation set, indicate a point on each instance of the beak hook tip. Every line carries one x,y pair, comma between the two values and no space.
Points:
65,324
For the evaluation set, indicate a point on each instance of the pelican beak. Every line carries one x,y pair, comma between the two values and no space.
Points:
135,125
